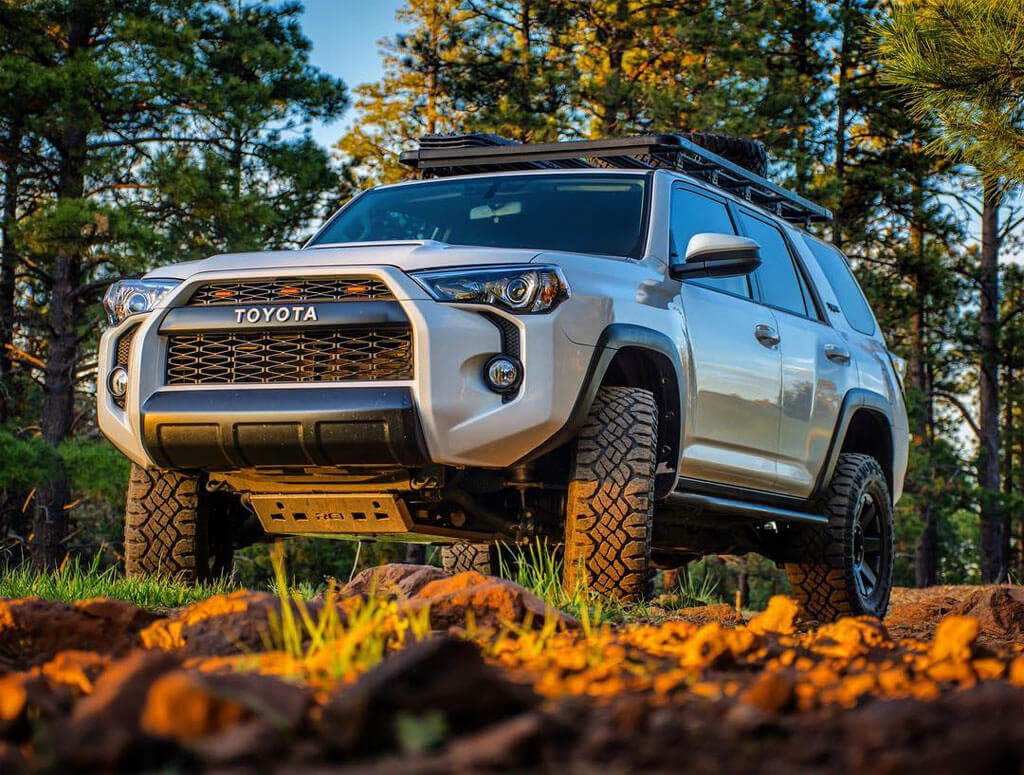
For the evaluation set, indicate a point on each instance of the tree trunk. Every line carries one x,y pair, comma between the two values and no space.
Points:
842,107
50,518
993,564
8,270
921,425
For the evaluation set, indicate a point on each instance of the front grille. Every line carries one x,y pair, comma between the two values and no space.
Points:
354,354
287,290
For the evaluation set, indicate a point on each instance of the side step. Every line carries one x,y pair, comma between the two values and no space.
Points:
358,513
725,506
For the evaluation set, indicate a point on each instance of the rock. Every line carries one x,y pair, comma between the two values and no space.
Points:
394,580
180,706
25,697
509,744
254,742
104,726
221,625
778,617
33,630
954,639
442,676
76,670
187,705
723,613
494,603
770,692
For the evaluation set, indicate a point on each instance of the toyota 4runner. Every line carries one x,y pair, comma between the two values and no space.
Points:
627,347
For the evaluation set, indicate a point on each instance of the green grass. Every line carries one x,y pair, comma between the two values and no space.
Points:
74,581
538,568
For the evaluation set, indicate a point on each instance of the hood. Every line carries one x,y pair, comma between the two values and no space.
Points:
408,256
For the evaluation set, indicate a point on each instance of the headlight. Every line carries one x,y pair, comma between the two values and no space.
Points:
134,297
523,289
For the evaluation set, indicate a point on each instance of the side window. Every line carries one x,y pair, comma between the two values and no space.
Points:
777,276
844,284
692,214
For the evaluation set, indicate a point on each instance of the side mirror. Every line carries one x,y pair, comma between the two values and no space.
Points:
717,255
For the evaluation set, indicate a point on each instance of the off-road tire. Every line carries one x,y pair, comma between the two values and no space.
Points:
749,154
457,558
610,502
167,530
824,575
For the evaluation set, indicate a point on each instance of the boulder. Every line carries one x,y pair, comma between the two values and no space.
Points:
187,705
103,731
395,580
234,623
490,602
33,630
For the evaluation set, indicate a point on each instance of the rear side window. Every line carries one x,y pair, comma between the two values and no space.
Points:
844,284
692,214
780,285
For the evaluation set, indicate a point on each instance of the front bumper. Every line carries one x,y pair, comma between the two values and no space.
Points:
445,414
240,428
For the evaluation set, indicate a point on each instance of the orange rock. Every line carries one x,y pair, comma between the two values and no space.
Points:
850,637
954,638
778,617
771,692
1017,671
76,669
179,706
13,696
705,647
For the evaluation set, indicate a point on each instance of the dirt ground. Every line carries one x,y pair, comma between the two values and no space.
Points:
478,676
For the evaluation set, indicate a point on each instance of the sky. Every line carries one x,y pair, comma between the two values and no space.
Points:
345,34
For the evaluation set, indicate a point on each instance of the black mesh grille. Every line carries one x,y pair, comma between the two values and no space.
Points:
124,349
286,290
341,355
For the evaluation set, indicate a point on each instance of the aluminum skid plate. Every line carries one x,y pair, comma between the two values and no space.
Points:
364,513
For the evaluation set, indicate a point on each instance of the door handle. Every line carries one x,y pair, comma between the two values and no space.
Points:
766,335
837,354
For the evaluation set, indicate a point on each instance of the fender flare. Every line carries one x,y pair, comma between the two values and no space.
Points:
615,337
855,398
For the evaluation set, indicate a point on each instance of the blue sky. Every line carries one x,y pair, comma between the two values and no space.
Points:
344,34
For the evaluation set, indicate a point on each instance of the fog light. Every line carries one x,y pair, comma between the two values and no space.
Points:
118,382
503,374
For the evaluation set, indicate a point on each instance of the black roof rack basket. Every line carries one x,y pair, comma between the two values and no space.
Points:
447,155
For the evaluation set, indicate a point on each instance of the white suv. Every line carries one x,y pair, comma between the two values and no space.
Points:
624,346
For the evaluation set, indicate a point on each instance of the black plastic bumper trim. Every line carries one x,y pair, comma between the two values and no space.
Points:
240,428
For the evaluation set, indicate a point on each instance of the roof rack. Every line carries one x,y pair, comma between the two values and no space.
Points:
447,155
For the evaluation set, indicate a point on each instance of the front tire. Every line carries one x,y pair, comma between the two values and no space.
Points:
845,569
611,496
168,532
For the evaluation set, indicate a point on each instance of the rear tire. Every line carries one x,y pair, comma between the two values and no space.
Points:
458,558
168,532
845,569
611,496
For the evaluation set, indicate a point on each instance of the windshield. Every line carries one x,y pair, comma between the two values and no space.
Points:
599,213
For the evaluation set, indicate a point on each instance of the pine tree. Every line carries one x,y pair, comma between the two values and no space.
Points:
961,61
111,85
